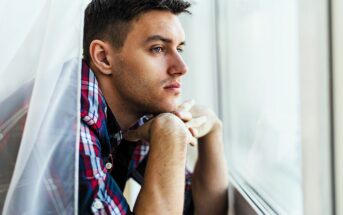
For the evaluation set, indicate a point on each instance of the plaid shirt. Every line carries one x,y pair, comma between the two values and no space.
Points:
106,159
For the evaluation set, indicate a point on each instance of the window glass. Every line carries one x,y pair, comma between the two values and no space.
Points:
259,53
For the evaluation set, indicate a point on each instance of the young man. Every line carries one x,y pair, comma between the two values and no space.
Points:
131,124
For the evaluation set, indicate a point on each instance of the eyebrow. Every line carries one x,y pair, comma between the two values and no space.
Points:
160,38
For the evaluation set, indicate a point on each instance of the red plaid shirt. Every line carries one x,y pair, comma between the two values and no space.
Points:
105,161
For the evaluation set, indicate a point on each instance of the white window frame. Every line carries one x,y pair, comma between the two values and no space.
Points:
337,49
316,127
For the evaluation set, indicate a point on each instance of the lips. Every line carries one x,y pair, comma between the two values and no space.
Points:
174,85
174,88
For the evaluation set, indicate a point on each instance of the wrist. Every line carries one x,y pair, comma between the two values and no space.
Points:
215,132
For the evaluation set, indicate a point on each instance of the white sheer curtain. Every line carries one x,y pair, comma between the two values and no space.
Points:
42,40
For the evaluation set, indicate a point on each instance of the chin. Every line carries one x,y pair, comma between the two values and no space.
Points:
167,106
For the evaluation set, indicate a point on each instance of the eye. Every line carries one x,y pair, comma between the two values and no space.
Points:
180,50
157,49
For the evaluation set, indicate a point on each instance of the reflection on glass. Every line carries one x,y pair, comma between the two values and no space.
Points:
259,55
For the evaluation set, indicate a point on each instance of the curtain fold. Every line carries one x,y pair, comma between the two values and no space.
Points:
42,40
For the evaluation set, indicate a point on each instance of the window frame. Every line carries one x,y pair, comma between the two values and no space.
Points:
316,118
336,9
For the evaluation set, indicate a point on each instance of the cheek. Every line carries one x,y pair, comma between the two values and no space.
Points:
140,85
149,86
144,76
142,64
147,77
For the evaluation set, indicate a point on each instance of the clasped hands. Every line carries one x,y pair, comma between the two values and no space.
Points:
188,119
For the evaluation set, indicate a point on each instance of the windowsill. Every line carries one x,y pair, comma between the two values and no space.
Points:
244,200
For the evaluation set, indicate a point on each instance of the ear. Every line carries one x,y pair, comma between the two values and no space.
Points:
100,55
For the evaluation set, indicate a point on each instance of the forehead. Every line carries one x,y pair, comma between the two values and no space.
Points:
162,23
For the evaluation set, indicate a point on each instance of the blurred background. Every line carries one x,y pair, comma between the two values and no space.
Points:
272,71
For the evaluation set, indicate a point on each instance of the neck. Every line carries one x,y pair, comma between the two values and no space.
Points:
124,116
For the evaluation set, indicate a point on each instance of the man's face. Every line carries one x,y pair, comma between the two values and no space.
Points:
147,70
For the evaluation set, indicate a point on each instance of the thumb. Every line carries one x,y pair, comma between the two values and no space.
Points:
141,133
131,136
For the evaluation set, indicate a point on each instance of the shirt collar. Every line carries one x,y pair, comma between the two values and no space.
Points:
114,130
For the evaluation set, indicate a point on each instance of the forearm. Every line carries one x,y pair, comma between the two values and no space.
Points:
163,189
164,177
210,177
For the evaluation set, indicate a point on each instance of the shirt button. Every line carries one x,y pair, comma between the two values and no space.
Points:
97,204
108,165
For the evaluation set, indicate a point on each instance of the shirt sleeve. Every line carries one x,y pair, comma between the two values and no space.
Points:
98,192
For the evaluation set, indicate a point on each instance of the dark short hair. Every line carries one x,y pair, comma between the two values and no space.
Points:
110,20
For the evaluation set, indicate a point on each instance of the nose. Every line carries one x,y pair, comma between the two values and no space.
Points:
177,65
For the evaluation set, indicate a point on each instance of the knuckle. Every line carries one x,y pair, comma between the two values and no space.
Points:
171,125
167,119
220,123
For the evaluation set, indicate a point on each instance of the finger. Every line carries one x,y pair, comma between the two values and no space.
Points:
193,141
186,106
196,122
184,115
194,132
141,133
131,136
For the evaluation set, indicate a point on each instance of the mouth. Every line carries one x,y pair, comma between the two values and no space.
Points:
174,87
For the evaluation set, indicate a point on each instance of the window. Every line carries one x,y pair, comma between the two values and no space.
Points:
261,98
275,68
